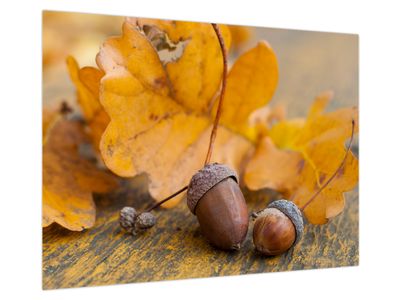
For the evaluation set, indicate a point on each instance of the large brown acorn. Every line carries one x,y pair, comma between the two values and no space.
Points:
215,198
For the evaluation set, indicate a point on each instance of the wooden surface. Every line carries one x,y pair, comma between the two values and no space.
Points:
174,249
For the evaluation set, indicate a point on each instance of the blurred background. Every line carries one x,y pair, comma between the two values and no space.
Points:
76,34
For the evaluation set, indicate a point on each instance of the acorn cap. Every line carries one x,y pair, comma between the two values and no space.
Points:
293,213
204,180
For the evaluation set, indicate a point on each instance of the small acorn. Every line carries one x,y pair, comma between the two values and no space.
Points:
278,227
133,222
215,198
127,217
144,221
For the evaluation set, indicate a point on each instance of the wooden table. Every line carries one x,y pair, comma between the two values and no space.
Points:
174,249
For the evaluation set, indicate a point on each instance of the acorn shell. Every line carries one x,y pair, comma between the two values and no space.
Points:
204,180
293,213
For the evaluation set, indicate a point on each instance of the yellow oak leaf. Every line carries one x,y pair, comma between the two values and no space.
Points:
330,201
299,156
160,111
286,132
195,77
262,119
250,85
87,83
68,179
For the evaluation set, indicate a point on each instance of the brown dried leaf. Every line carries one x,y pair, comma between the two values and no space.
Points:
68,179
304,154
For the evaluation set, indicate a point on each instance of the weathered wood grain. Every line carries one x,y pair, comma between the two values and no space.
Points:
174,249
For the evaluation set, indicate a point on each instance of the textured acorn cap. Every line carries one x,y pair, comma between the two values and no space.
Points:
293,213
204,180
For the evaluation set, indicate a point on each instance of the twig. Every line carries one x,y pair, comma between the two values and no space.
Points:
221,98
166,199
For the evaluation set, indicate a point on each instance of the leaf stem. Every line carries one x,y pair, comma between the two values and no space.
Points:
221,98
334,174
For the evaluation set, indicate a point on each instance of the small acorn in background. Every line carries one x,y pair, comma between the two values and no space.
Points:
278,227
215,198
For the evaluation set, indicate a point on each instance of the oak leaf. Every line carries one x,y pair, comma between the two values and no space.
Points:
251,83
195,76
297,157
68,179
160,111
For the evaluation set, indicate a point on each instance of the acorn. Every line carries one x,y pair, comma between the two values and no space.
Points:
277,228
215,198
133,222
127,218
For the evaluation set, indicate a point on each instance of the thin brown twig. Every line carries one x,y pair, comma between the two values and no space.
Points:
166,199
334,174
221,98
